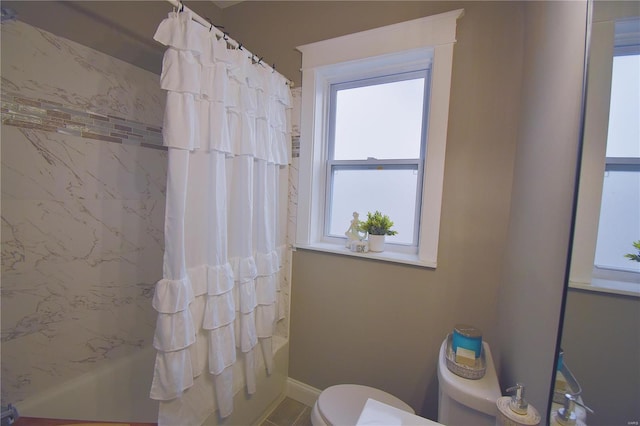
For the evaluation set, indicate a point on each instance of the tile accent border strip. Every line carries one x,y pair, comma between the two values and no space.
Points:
295,147
50,116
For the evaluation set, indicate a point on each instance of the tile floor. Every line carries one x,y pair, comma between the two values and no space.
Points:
289,413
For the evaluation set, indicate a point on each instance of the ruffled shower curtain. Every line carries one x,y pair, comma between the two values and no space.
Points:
227,130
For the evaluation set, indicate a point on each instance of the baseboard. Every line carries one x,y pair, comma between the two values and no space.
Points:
302,392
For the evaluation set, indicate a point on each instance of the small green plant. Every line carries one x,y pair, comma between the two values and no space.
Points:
635,256
377,224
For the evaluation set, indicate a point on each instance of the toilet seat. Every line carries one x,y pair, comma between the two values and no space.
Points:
342,404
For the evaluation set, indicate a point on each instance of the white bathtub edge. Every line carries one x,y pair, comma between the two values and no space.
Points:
85,392
116,392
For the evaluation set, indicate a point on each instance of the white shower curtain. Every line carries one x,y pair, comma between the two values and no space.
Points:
227,131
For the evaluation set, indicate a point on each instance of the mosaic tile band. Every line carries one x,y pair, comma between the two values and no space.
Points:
50,116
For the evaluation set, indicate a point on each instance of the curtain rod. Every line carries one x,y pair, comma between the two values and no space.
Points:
199,19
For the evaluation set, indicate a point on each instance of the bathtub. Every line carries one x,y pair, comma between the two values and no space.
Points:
119,392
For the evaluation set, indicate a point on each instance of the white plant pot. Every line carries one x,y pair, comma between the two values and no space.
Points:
376,243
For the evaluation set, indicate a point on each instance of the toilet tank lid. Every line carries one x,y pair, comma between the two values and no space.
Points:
481,394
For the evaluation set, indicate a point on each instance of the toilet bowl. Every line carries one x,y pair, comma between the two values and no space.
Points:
463,402
342,404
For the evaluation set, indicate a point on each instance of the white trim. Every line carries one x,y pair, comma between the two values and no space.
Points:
434,158
599,285
302,392
427,40
387,255
593,152
417,33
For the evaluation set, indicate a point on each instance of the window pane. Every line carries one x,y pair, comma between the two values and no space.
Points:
619,224
382,121
624,125
390,191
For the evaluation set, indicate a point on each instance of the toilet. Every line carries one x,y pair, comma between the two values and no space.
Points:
463,402
342,404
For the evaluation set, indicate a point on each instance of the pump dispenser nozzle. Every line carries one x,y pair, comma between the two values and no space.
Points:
515,411
518,404
566,416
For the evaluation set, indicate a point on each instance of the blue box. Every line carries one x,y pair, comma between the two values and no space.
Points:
560,359
467,337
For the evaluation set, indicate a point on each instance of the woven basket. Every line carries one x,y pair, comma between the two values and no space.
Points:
472,373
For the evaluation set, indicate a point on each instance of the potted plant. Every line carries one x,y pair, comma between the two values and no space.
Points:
634,256
377,226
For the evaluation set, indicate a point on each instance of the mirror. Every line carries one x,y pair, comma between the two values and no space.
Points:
600,338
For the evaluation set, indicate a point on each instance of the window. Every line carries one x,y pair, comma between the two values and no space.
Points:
619,224
373,135
609,195
376,151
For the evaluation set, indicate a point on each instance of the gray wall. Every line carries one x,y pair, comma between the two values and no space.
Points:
380,324
543,189
601,343
371,323
273,29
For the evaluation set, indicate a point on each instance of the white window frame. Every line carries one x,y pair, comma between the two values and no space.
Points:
407,46
583,273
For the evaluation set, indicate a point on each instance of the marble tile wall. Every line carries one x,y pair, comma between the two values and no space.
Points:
82,210
282,327
292,209
83,193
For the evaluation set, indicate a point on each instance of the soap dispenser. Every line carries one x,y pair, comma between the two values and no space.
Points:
566,416
515,411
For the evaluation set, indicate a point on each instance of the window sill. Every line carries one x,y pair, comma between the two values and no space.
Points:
385,256
600,285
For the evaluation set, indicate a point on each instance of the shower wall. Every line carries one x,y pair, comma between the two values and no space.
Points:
83,193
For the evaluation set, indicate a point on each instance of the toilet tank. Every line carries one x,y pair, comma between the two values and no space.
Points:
463,402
